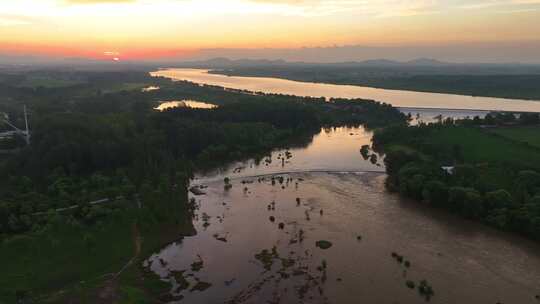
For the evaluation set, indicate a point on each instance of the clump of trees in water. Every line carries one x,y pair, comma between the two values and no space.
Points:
458,166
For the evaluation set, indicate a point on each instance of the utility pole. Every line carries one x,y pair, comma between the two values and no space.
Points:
27,137
25,133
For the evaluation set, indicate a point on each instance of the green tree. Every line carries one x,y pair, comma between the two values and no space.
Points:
498,199
473,204
435,192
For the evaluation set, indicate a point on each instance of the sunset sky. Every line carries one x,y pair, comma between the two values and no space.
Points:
132,29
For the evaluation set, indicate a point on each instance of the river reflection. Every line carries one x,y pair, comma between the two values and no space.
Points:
256,242
398,98
164,105
150,89
333,149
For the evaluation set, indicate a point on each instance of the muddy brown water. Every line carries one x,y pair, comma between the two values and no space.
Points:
463,261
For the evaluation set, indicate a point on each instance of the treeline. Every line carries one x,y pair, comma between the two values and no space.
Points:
504,119
436,165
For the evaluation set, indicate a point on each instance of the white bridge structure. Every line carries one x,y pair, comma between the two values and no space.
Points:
25,134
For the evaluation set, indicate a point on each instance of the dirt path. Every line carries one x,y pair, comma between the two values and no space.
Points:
109,292
137,241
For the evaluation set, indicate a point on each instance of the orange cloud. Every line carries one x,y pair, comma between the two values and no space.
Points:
172,28
95,52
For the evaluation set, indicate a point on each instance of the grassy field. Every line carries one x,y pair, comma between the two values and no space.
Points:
126,86
135,284
527,134
76,263
480,146
493,155
43,262
48,82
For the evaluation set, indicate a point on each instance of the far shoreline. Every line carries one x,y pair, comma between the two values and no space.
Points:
400,96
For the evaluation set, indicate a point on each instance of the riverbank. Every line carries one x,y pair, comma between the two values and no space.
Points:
104,260
500,85
476,169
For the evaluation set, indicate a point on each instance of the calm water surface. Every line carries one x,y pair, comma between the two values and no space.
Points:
342,200
398,98
163,105
150,89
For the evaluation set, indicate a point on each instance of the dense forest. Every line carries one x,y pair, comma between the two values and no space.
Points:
102,158
470,167
84,144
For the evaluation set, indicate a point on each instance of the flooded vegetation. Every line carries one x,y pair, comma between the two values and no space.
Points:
296,227
331,150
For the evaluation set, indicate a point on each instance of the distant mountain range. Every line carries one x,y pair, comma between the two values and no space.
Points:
221,62
28,62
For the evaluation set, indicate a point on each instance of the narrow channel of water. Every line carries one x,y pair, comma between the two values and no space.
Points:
256,242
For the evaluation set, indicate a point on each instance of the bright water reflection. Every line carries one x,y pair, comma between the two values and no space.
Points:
398,98
333,149
184,104
150,88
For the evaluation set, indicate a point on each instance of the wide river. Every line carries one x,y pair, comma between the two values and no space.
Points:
257,241
398,98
